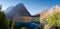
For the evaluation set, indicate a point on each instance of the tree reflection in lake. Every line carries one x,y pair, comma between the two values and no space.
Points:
27,25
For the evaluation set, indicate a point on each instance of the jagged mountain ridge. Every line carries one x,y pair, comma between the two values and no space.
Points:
44,14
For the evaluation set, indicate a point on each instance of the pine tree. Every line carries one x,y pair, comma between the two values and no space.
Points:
3,24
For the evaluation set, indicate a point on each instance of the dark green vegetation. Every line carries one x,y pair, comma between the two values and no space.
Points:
3,21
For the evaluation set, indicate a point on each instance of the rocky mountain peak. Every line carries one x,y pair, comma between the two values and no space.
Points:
44,14
18,11
43,11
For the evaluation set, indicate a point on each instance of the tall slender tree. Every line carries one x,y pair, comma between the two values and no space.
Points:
3,24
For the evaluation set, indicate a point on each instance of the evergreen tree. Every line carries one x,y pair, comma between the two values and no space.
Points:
3,23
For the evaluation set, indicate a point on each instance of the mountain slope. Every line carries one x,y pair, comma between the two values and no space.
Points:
18,10
8,10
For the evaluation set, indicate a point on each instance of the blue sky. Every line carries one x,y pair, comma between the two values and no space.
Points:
33,6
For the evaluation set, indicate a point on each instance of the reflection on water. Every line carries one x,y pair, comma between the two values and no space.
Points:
27,25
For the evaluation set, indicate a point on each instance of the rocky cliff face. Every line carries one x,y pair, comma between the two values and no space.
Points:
42,13
18,10
46,14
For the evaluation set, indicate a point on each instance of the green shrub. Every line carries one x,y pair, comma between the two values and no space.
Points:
54,20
